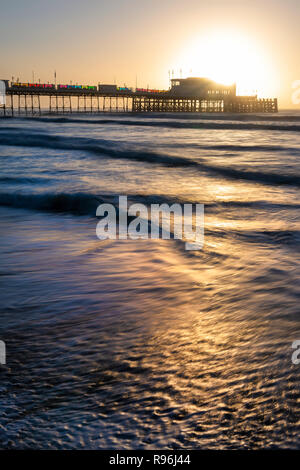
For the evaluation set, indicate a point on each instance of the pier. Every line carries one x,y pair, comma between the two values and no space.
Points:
190,95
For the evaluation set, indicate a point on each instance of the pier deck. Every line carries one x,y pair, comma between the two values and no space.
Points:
36,101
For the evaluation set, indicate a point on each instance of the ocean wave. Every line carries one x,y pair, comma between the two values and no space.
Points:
219,147
82,203
97,147
23,180
75,203
249,148
105,148
79,203
240,125
252,176
200,125
238,117
257,204
203,122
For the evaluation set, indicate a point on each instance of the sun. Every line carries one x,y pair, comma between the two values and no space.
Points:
227,58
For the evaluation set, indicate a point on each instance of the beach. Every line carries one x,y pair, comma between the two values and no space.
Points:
141,344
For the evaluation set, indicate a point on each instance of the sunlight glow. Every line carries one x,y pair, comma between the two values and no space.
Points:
228,57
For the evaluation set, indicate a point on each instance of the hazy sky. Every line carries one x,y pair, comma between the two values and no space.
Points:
91,41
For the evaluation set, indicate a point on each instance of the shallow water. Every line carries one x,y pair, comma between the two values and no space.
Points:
142,344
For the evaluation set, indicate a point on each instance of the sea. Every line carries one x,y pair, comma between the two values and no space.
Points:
142,344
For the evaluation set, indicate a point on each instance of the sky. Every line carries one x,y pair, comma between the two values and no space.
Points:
253,42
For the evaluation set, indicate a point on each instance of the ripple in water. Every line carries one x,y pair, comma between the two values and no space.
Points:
141,344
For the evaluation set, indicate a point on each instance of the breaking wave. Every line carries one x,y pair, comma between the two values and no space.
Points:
81,203
101,147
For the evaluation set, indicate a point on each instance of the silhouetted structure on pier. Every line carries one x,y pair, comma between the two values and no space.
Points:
194,95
